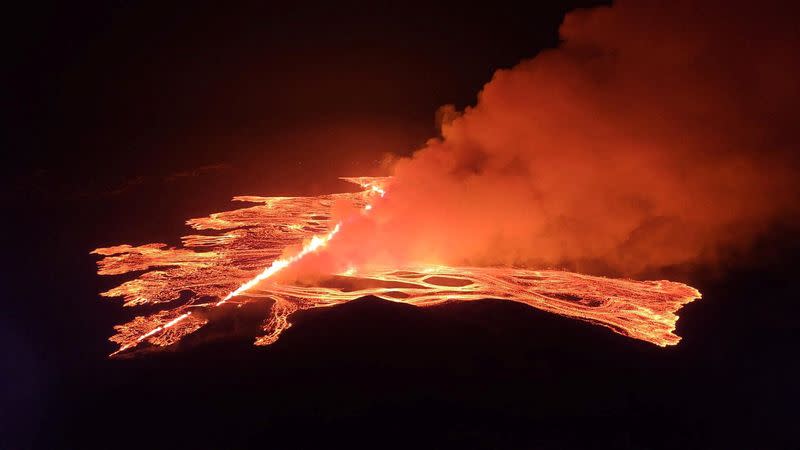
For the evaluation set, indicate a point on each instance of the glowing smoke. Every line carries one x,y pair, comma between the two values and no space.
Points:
657,133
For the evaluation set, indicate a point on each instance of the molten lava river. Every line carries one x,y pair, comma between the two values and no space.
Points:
234,263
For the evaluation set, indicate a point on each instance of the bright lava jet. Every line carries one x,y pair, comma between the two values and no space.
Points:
237,265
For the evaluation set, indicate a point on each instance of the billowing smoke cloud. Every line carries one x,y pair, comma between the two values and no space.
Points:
657,133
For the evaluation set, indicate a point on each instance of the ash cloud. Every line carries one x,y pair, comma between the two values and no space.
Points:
656,134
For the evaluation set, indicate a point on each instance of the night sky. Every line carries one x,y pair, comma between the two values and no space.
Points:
124,119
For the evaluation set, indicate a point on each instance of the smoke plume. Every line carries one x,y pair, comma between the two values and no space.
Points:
656,134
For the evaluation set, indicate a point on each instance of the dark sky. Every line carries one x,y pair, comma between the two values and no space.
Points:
126,118
137,88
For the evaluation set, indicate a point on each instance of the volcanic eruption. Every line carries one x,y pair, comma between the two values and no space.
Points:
647,139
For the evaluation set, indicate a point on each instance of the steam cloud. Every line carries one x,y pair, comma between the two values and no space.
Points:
657,133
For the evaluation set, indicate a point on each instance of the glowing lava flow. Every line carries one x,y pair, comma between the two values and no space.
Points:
276,266
314,245
212,269
280,264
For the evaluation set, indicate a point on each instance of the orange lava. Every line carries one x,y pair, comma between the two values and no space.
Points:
236,265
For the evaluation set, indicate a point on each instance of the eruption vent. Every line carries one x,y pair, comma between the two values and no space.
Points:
228,268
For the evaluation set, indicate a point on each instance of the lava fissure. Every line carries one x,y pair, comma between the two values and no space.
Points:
239,266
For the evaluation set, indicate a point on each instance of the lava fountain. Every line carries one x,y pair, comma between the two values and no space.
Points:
236,259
